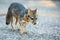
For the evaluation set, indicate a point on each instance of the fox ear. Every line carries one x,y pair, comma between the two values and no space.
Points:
36,10
29,11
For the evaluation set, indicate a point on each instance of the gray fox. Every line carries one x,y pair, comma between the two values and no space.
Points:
22,15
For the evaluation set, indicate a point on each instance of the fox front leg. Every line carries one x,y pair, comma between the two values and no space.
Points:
23,28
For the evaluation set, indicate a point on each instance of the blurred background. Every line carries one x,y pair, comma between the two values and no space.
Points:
48,7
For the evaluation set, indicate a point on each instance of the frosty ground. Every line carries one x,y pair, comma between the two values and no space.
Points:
48,28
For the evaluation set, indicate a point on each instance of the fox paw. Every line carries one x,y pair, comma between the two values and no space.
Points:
23,32
13,30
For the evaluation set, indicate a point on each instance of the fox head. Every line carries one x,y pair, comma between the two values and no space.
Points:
32,15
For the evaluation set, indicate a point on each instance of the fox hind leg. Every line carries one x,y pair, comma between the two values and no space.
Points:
17,20
12,24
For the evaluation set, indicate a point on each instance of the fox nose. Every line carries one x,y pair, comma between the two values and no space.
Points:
7,23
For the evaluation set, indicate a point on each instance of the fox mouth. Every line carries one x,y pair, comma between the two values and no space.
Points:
34,24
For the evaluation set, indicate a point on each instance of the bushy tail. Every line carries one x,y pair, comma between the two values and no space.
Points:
8,17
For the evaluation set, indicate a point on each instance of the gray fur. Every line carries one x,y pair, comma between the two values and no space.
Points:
17,9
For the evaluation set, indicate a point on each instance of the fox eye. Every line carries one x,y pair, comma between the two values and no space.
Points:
28,16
